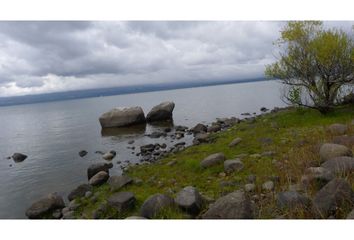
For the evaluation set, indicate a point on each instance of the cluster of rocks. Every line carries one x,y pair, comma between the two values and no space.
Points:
126,116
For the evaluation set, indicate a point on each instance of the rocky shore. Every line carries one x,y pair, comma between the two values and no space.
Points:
283,163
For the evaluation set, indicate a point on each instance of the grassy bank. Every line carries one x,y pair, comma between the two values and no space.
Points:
277,146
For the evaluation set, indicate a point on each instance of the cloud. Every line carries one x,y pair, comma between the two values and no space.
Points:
41,57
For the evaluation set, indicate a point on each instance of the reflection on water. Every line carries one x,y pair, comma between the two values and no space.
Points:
132,131
162,124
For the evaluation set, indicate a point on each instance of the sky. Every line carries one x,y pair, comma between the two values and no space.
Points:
43,57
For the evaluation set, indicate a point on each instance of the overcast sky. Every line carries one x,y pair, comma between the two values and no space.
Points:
42,57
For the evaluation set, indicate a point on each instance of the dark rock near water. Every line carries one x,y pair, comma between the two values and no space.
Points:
97,167
79,191
163,111
292,200
189,200
199,128
181,128
122,201
212,160
109,155
45,206
82,153
201,138
331,150
147,148
131,141
335,195
155,204
120,117
214,128
19,157
264,109
157,134
235,205
99,178
117,182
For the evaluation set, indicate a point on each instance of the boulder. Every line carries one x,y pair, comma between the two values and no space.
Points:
344,140
212,160
109,155
99,178
120,117
334,195
201,138
155,204
318,176
19,157
163,111
268,186
233,165
235,142
117,182
79,191
338,129
292,200
82,153
189,200
332,150
341,165
235,205
199,128
122,201
214,128
97,167
45,206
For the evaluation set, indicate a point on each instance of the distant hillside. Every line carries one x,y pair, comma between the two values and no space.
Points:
88,93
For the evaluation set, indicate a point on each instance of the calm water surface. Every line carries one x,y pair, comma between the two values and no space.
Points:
52,134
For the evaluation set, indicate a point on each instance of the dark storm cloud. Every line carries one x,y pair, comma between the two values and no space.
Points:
37,57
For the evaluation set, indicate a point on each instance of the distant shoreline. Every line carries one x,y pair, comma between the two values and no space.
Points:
104,92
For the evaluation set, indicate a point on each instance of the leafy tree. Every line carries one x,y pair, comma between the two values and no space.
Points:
316,64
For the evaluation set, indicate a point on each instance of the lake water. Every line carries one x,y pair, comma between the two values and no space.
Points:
53,133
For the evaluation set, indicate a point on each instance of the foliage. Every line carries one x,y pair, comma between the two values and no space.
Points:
316,61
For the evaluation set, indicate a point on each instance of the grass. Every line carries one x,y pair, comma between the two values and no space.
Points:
294,135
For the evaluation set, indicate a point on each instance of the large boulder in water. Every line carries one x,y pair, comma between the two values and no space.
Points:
98,167
45,206
235,205
124,116
163,111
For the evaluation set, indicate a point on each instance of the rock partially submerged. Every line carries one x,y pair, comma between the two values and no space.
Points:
109,155
19,157
45,206
235,205
124,116
199,128
155,204
163,111
97,167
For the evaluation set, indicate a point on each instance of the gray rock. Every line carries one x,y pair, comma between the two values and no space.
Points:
19,157
155,204
189,200
351,215
163,111
109,155
268,186
250,187
117,182
73,205
122,201
292,200
99,178
45,205
95,168
65,210
334,195
120,117
235,142
135,218
332,150
88,194
201,138
82,153
316,176
344,140
235,205
340,165
338,129
69,215
79,191
212,160
214,128
233,165
199,128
